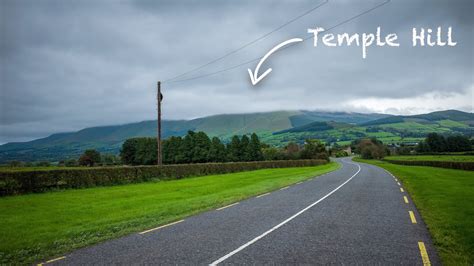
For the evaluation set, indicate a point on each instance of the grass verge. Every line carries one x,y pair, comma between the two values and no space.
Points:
37,226
444,198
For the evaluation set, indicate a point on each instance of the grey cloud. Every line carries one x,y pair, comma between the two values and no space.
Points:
68,65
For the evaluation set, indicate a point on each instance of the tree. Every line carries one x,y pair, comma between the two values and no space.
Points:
245,149
255,148
128,151
271,153
370,148
217,152
89,158
458,143
292,151
201,146
436,142
110,159
314,149
234,152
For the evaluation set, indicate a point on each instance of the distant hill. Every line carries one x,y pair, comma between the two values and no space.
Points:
108,139
392,129
275,128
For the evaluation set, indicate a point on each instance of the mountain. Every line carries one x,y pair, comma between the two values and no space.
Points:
108,139
275,128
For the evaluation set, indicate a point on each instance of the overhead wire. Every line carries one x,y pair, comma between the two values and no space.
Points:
249,43
288,46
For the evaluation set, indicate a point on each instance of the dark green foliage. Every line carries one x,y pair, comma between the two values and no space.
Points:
436,143
339,154
70,163
129,148
20,182
89,158
234,152
293,151
110,159
370,148
458,143
217,152
314,149
195,147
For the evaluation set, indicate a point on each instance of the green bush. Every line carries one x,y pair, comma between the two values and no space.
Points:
443,164
21,182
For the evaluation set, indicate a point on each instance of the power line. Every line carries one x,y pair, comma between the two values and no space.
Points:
249,43
304,39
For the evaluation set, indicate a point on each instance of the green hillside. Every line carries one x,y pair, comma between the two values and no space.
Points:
393,129
276,128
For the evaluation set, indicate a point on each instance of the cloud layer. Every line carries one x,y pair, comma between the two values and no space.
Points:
67,65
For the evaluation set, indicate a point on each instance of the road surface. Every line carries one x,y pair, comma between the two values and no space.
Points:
358,214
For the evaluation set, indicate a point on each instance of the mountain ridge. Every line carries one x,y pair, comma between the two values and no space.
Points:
275,128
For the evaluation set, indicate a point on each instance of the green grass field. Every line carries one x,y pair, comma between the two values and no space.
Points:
445,199
446,158
37,226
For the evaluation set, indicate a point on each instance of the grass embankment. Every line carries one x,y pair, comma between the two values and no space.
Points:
38,226
444,197
442,158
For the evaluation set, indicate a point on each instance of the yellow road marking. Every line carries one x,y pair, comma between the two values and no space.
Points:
263,195
284,188
412,217
401,189
424,254
221,208
159,227
52,260
398,183
405,199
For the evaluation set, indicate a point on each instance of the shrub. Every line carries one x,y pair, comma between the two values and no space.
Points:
20,182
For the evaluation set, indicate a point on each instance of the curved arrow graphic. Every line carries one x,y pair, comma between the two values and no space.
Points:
254,76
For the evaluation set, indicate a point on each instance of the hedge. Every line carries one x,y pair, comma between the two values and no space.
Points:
22,182
443,164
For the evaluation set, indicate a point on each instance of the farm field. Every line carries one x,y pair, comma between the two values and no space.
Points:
444,198
71,219
445,158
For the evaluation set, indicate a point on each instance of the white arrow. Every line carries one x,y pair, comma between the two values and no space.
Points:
254,76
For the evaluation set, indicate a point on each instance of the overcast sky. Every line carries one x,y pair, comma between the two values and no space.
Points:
66,65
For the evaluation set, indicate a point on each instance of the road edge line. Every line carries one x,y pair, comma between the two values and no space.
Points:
235,251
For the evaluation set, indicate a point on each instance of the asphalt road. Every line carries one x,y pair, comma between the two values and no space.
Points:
355,215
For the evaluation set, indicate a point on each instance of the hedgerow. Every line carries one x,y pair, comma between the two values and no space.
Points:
22,182
443,164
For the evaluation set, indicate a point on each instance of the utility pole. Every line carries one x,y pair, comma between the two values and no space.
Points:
159,98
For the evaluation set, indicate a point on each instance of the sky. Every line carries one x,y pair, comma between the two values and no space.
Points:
67,65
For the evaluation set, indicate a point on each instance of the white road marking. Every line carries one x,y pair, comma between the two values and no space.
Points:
263,195
159,227
398,183
284,222
299,183
283,188
221,208
53,260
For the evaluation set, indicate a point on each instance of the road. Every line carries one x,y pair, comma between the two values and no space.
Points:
355,215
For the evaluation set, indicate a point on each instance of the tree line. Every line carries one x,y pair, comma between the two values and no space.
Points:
198,147
438,143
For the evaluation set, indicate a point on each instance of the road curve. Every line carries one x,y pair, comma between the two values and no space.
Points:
355,215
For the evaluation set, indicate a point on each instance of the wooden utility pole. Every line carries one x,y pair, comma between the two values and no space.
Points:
159,97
